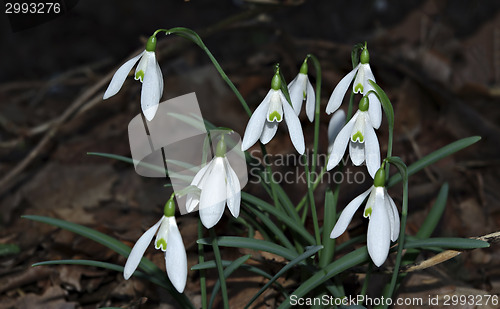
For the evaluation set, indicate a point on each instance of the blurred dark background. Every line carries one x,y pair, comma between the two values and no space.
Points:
439,62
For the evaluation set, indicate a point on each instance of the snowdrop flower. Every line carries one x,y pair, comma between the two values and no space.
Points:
169,240
300,89
219,185
384,219
362,140
360,85
148,72
264,121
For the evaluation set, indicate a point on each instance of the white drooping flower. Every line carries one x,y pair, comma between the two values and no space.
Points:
219,185
362,140
169,240
264,121
360,85
300,89
384,219
148,72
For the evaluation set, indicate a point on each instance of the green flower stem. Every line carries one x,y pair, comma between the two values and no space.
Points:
317,67
314,186
364,288
404,214
201,260
195,38
220,269
310,194
349,108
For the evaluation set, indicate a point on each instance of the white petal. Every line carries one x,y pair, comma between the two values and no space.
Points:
233,190
296,91
395,217
213,195
294,127
150,93
339,91
334,126
347,214
310,101
357,152
119,77
269,131
192,199
366,76
256,124
372,149
379,230
175,257
374,109
160,74
340,143
138,250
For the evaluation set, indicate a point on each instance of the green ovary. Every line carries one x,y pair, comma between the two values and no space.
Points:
358,137
359,87
161,243
274,115
139,75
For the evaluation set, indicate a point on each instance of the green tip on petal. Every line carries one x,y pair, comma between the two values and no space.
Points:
303,68
357,137
161,243
364,104
169,209
274,115
379,179
368,212
358,88
151,44
365,56
276,82
139,75
220,150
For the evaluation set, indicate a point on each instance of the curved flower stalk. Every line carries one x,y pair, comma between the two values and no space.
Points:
264,121
300,89
384,219
169,240
362,140
219,185
360,85
148,72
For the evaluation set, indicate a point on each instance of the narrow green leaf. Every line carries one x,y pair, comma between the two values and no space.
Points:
227,272
104,265
290,223
114,245
272,227
435,214
434,157
309,252
248,243
330,212
349,260
8,249
447,243
157,168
